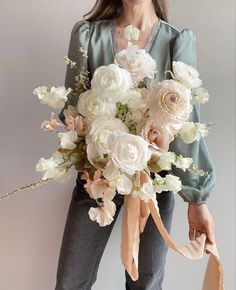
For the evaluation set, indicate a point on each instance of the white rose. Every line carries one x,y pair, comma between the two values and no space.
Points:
137,61
100,131
54,97
191,132
169,101
92,107
111,82
186,74
128,152
67,139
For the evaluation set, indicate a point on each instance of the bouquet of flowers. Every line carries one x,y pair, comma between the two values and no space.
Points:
118,135
120,130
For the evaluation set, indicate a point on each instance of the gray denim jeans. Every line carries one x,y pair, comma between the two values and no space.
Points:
84,241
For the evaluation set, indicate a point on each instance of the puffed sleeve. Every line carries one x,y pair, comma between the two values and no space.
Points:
79,38
195,189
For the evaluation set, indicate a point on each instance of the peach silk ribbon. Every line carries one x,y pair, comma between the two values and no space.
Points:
135,215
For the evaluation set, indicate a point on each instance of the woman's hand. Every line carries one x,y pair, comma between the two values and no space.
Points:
200,219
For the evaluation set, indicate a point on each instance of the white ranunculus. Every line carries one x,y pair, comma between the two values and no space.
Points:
92,107
183,162
186,74
55,167
128,152
137,61
191,132
131,33
136,100
111,82
67,139
169,101
104,215
101,129
54,97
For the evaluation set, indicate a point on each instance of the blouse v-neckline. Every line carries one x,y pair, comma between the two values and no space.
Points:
152,37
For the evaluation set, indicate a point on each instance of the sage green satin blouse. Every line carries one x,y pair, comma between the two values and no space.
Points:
166,44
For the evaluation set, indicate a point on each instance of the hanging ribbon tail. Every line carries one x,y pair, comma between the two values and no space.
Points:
135,215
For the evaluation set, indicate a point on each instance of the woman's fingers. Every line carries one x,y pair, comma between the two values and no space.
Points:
210,232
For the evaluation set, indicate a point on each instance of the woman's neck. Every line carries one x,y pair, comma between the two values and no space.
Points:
141,16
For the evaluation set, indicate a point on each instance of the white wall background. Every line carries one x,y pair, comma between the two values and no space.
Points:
34,40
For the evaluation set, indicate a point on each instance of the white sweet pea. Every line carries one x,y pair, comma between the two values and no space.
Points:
104,214
54,97
191,132
123,184
168,183
55,167
131,33
92,107
100,131
173,183
111,82
67,139
183,162
118,180
186,74
201,95
145,190
95,156
165,160
130,153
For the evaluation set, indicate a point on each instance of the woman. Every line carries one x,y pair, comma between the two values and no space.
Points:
84,241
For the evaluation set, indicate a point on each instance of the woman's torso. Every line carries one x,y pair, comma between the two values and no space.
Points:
102,46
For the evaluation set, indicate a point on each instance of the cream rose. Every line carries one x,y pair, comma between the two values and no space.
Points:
135,60
169,101
128,152
93,107
186,74
111,82
101,129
